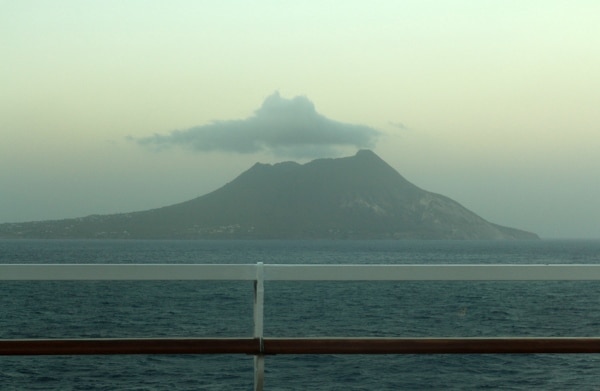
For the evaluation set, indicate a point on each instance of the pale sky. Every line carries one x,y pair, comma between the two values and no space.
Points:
495,104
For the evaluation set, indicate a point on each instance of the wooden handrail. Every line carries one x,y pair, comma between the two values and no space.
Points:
272,346
430,345
129,346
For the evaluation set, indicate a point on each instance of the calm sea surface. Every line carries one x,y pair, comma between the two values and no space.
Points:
50,309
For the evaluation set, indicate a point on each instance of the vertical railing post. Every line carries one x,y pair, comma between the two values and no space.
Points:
259,296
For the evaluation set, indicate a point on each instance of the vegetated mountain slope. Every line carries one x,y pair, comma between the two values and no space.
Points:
358,197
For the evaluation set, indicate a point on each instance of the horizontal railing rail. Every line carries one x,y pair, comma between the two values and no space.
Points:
259,346
277,272
278,346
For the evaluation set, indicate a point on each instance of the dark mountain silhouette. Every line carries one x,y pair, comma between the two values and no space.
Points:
358,197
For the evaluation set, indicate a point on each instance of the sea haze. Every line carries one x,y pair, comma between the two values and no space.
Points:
50,309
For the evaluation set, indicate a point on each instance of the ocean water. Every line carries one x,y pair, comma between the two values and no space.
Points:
71,309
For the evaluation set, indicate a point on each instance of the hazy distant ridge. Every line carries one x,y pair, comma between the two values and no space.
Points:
358,197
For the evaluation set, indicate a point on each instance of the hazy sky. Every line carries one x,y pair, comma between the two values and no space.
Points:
117,106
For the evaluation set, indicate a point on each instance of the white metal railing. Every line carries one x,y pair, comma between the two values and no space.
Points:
259,273
279,272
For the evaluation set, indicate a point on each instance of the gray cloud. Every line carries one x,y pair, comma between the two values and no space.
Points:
398,125
285,127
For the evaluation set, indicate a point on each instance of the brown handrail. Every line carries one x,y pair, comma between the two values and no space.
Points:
430,345
129,346
270,346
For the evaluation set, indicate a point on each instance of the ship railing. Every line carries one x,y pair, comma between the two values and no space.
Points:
259,346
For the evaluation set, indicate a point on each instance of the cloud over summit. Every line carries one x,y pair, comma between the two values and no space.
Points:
285,127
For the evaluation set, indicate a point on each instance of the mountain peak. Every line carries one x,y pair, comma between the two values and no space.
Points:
366,153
